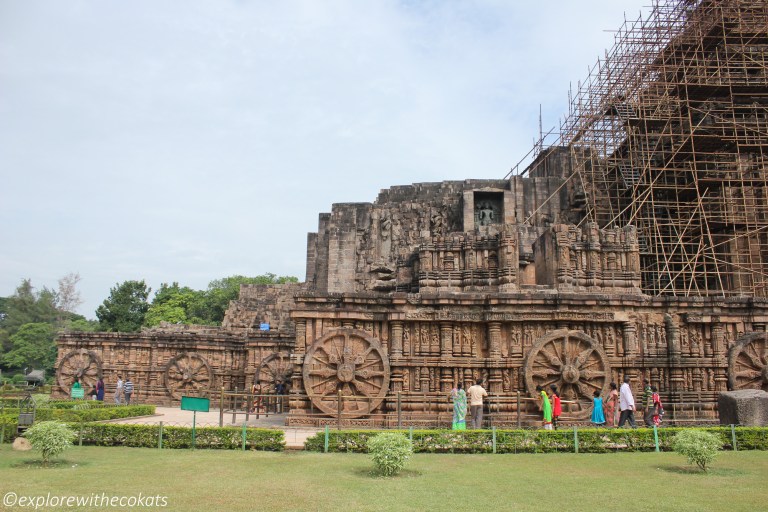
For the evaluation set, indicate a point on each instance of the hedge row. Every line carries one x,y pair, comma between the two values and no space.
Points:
148,436
589,440
10,421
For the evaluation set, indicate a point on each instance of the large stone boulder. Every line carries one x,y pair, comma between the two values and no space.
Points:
748,407
21,444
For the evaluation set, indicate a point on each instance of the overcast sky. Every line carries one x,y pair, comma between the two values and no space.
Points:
184,140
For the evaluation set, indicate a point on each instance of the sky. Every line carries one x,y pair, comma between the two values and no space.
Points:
188,140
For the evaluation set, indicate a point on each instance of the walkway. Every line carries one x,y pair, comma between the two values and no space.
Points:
174,416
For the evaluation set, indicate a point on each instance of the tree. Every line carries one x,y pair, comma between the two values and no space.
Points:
32,345
50,438
69,296
125,308
26,306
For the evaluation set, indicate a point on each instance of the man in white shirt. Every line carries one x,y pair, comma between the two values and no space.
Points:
476,394
626,404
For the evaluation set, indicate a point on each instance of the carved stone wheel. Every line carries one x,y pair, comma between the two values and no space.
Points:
748,362
187,374
82,364
273,368
349,361
572,361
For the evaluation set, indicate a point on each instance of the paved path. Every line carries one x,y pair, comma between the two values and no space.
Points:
174,416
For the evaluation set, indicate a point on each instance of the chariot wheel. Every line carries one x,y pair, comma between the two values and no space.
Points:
275,367
572,361
748,362
79,364
188,374
349,361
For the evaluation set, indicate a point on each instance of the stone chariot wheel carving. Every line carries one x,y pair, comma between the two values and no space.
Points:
273,368
187,373
748,362
349,361
572,361
81,364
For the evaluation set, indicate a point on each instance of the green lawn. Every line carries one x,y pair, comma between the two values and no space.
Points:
233,481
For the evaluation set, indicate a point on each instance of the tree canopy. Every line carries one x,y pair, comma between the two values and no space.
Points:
125,308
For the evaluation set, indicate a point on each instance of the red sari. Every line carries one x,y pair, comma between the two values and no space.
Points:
610,408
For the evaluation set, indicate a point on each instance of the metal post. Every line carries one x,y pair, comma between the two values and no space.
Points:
656,437
221,408
338,414
160,437
399,411
733,437
493,433
325,448
80,441
194,420
410,434
575,439
519,423
245,424
248,405
234,406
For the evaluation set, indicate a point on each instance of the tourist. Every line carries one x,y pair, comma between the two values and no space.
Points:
459,398
557,409
658,410
598,418
256,396
647,403
128,390
626,404
546,408
77,389
93,392
476,394
119,389
611,406
100,389
279,391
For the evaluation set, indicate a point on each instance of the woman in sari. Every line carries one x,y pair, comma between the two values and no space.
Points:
546,408
610,406
459,398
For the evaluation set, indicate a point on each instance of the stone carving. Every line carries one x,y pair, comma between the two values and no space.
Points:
81,364
347,361
748,362
273,368
188,374
572,361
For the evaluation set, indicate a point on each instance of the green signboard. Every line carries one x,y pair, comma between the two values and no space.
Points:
193,403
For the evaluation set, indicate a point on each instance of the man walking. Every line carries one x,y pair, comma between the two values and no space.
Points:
647,404
119,389
128,390
626,404
476,394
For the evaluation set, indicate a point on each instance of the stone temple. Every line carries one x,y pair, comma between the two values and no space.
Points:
636,243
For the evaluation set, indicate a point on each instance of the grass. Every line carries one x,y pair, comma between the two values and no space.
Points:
233,480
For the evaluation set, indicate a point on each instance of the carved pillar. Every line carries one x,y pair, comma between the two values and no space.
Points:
630,339
446,339
718,337
495,381
494,335
673,335
397,379
348,324
446,380
397,339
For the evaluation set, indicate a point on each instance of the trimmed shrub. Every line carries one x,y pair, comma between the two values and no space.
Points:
698,446
390,451
50,438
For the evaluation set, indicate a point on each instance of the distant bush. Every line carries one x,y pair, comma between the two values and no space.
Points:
50,438
700,447
390,451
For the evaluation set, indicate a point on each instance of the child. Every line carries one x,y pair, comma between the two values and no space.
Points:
557,409
546,408
598,418
658,410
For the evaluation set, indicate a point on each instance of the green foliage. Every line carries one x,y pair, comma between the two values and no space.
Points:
591,440
390,451
147,436
125,308
50,438
698,446
81,325
33,346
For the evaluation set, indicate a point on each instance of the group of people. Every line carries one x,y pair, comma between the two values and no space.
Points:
123,390
609,414
617,410
459,397
258,392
